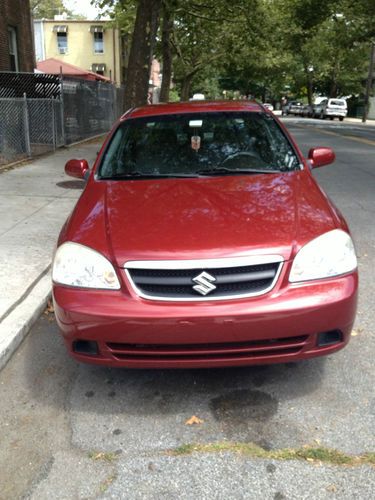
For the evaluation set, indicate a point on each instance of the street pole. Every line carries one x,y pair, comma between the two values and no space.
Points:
369,83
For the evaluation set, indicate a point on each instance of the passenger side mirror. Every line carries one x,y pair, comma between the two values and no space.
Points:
321,156
77,168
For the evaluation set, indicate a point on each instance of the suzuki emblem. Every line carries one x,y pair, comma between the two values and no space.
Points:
204,283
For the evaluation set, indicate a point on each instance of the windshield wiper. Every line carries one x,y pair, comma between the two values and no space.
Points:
140,175
230,171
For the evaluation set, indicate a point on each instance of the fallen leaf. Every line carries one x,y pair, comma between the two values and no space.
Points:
357,332
50,307
194,420
332,488
310,459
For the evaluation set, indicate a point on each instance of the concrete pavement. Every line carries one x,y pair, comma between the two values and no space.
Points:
70,430
35,199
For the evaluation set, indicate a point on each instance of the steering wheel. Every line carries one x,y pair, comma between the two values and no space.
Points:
238,155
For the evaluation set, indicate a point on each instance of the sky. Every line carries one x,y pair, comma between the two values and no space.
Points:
82,7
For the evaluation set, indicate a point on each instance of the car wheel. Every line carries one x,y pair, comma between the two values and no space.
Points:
341,118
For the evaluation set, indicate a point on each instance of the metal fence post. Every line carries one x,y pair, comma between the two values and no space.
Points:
63,137
114,105
27,125
53,125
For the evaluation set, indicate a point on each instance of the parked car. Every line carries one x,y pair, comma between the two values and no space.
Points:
202,239
296,108
331,108
286,109
267,105
307,111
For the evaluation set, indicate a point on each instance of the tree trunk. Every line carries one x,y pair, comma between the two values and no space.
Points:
141,52
309,88
334,90
166,54
185,86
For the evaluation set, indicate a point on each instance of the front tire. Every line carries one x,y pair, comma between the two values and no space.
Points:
341,118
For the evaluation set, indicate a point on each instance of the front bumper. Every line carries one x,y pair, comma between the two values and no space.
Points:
280,326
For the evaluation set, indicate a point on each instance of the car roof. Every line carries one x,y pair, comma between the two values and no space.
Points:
192,107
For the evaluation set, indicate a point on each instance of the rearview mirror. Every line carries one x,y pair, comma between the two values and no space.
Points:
77,168
321,156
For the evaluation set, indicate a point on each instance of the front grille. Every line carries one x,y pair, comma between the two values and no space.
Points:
203,283
233,350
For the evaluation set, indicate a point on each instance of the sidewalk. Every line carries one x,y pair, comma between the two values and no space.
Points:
35,200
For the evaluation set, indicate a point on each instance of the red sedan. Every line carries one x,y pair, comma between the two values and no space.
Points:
201,239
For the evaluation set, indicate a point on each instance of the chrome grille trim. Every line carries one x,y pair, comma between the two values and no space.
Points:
204,265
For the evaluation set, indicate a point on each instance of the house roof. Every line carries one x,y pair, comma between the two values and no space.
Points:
55,67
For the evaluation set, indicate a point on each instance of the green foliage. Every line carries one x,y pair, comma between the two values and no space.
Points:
174,96
264,48
47,9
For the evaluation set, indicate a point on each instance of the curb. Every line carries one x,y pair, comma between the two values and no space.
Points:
17,324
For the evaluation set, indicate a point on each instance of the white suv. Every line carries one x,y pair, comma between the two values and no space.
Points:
331,108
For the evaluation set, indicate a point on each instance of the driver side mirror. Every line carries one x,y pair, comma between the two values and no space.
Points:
77,168
321,156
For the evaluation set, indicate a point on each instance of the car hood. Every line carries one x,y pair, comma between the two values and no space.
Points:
196,218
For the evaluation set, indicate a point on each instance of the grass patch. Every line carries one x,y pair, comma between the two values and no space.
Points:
370,457
308,453
103,456
107,483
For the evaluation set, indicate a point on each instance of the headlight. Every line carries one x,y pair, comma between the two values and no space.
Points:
331,254
77,265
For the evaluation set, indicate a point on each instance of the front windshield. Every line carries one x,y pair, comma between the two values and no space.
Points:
189,144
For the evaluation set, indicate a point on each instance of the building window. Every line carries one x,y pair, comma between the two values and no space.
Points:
62,38
98,33
98,43
98,68
62,43
13,51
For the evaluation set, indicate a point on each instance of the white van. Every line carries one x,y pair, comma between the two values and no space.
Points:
331,108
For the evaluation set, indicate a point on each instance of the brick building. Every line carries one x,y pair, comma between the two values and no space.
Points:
16,36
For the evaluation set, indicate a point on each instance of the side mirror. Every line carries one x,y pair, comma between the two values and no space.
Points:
77,168
321,156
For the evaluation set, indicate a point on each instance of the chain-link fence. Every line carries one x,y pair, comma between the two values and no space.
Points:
89,108
72,110
29,127
13,136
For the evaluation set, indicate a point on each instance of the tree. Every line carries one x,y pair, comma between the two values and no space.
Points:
47,9
141,18
265,48
166,47
141,53
200,29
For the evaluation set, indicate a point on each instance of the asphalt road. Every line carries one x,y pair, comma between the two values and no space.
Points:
78,431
